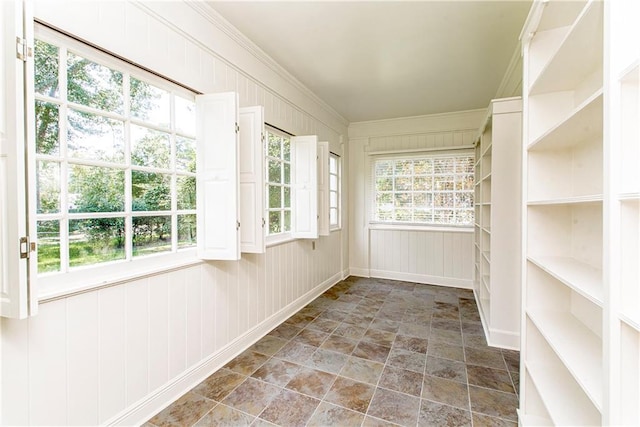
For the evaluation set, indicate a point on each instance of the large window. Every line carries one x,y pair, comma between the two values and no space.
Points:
427,189
115,158
334,190
278,180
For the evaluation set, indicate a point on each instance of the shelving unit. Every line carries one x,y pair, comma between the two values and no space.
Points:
581,214
497,207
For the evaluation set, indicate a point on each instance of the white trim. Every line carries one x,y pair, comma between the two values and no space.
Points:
359,272
423,278
444,150
373,225
156,401
497,337
279,239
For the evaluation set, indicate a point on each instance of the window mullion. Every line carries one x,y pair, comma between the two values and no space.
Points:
128,198
64,165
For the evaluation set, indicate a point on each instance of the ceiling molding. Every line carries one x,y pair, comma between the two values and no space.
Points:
512,76
249,46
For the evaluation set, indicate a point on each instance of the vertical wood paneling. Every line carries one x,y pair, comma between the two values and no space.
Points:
136,345
48,366
158,338
208,282
221,306
15,371
82,359
111,350
177,323
194,316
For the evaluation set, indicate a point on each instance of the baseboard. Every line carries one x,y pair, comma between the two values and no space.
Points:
360,272
345,273
140,412
423,278
504,339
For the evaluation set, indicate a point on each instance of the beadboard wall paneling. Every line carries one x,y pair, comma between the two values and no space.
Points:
118,355
427,256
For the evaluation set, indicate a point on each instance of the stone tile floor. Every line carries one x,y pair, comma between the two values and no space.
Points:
368,352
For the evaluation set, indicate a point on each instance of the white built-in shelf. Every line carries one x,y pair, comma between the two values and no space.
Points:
487,150
577,56
567,201
576,346
629,197
579,276
487,177
487,229
585,121
487,256
567,405
532,420
631,319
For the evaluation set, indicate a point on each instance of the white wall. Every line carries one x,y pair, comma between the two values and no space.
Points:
425,256
122,353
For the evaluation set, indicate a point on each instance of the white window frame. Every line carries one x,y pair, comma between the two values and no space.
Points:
337,206
282,236
52,285
381,224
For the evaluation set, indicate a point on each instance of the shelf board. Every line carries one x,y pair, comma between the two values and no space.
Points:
576,346
486,230
583,122
487,177
579,276
485,283
487,256
631,74
631,319
565,406
590,199
487,149
577,55
629,197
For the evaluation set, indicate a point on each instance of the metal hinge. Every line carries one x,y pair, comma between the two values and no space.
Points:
26,247
237,225
263,137
237,128
23,51
264,223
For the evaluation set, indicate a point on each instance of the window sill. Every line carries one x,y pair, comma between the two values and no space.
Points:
420,227
279,239
55,286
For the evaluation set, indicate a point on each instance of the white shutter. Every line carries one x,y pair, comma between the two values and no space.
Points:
323,188
217,176
17,293
252,180
304,186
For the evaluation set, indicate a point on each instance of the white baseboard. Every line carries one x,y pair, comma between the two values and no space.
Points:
423,278
345,273
143,410
359,272
495,337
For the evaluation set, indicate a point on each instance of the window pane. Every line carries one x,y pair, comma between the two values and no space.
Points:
384,214
186,192
96,240
274,171
333,199
185,116
403,200
443,216
275,225
46,69
443,200
464,216
333,216
464,182
443,183
48,187
150,191
403,184
423,215
94,85
186,230
275,197
47,128
95,189
422,183
404,167
287,173
384,168
287,197
48,246
333,164
404,215
384,184
150,148
422,200
384,200
464,165
287,220
333,182
151,234
286,149
443,165
274,147
91,136
185,154
463,200
423,167
150,103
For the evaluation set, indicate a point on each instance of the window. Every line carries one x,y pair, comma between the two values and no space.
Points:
115,158
427,189
334,190
278,180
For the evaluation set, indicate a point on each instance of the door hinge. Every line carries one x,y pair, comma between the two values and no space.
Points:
237,128
23,50
26,247
263,138
237,225
264,223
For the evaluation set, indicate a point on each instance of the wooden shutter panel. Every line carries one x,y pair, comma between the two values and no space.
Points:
217,187
252,180
18,298
304,185
323,188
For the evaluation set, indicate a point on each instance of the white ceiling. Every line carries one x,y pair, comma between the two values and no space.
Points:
372,60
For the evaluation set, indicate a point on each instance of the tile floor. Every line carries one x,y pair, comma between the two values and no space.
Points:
368,352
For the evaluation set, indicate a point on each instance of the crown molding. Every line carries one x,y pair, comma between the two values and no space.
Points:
249,46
